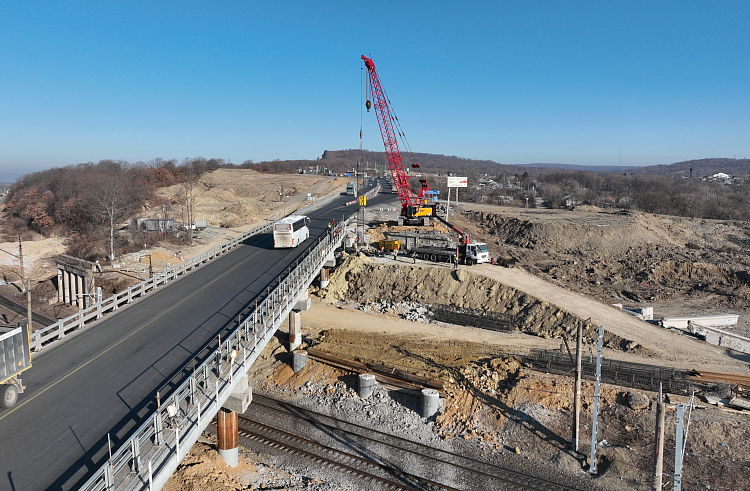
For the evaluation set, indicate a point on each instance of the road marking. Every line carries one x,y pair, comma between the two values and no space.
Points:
48,387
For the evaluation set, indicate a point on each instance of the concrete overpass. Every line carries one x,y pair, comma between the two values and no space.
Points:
96,389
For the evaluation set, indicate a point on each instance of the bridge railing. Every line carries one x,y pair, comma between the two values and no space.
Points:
42,338
150,456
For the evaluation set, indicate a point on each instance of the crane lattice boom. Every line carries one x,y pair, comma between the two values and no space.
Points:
385,122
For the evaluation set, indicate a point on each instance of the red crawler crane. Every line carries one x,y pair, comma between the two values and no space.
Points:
411,206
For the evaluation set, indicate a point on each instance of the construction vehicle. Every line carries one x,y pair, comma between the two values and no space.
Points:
439,247
15,357
413,208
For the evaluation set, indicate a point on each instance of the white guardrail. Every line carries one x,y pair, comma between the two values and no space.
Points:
42,338
149,457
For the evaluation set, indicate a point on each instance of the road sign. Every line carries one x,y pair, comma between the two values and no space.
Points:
458,182
433,192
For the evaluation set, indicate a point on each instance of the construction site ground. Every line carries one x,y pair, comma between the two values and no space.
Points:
572,265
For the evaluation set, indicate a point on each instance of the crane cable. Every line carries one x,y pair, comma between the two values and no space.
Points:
361,75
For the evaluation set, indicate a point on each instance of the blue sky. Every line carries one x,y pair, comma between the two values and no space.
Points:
516,82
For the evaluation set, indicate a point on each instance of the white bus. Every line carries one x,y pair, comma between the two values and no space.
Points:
291,231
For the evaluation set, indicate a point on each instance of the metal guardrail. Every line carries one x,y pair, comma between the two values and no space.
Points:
150,456
42,338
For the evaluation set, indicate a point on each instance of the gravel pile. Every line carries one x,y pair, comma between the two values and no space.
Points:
411,311
385,410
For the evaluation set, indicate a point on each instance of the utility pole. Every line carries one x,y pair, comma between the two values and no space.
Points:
20,259
659,446
597,388
279,202
25,284
577,396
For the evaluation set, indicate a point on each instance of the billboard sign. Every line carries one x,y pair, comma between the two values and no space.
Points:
457,182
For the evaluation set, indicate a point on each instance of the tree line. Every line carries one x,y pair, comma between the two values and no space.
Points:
667,195
87,201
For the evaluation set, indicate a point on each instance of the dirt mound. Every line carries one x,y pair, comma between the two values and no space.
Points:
236,197
626,257
360,279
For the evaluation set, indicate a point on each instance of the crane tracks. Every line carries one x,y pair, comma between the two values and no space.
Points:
379,458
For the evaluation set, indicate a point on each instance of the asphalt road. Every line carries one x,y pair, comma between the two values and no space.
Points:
105,379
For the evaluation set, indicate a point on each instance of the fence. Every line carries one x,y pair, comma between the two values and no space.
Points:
626,374
195,394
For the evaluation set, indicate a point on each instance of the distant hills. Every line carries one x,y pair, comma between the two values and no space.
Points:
434,163
580,167
701,167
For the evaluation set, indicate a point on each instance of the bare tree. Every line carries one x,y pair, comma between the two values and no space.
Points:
110,200
186,194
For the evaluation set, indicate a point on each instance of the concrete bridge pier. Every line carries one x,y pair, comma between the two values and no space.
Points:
295,321
227,421
330,263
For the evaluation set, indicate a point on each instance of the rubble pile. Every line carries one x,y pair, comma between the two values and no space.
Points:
410,311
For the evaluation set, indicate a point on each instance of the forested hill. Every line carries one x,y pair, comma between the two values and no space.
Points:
338,161
701,167
432,163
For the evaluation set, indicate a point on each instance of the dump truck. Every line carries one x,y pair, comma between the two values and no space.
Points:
15,357
440,247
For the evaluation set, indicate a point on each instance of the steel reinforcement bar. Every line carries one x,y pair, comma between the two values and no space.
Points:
634,375
148,458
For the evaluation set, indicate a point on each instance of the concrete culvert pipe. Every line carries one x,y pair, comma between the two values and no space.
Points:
367,385
430,402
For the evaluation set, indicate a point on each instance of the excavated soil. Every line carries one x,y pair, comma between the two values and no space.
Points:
680,266
365,280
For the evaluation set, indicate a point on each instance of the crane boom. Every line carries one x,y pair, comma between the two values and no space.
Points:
385,121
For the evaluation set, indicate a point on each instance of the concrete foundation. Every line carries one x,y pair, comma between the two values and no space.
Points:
430,402
704,320
721,338
299,360
227,422
367,385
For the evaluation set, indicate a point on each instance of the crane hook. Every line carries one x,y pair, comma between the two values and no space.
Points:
368,105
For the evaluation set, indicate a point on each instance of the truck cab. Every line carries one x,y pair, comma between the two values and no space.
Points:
476,253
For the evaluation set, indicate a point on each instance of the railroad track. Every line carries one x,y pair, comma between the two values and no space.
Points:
36,318
725,378
378,458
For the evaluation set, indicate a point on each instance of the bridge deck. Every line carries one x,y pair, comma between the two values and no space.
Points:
104,380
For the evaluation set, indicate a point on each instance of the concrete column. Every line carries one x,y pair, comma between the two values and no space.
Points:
323,277
227,422
79,292
430,402
66,287
295,329
59,285
367,385
299,360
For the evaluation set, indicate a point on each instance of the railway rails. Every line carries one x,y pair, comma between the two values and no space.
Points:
36,318
376,459
722,378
